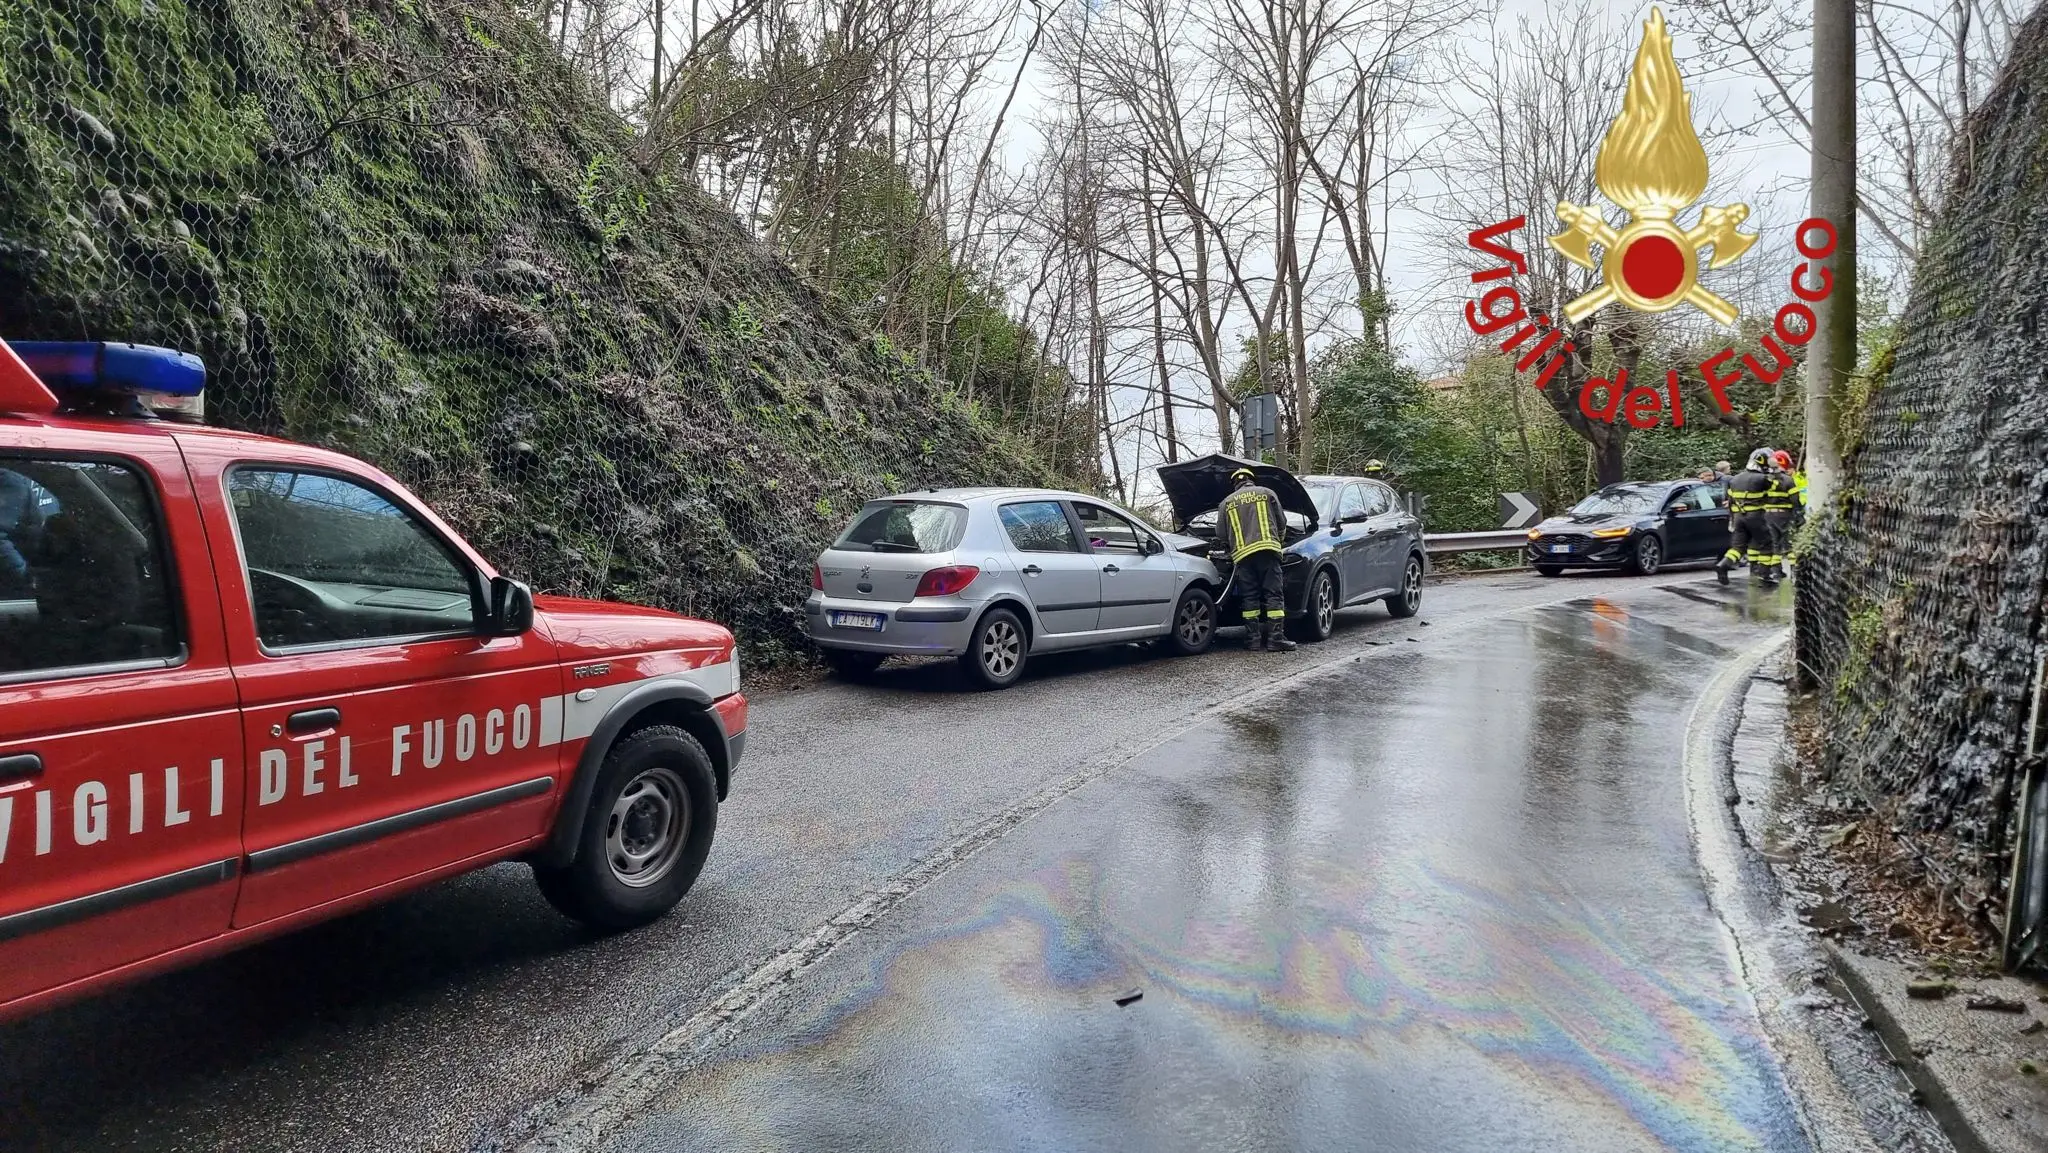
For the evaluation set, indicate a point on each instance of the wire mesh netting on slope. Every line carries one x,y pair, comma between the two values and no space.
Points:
1920,607
406,230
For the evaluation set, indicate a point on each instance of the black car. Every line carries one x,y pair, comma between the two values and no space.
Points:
1640,526
1349,539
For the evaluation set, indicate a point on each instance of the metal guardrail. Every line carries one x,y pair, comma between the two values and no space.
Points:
1456,542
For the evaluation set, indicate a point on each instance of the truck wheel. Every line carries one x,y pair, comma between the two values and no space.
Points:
1408,601
645,836
851,664
995,654
1318,617
1194,623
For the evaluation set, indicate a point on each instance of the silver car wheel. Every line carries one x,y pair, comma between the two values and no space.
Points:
1197,616
1411,585
648,827
1326,604
1001,648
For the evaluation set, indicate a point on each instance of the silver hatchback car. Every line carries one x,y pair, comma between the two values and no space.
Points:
993,575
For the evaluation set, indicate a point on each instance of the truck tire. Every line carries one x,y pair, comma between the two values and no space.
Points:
652,815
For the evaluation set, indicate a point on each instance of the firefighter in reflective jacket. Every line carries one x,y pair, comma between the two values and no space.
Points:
1781,504
1749,537
1249,522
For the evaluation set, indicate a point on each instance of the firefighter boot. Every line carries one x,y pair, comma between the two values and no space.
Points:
1255,635
1276,638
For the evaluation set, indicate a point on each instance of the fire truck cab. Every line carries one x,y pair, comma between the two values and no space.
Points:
247,685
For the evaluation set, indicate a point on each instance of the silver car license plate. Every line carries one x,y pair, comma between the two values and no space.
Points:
1560,548
870,621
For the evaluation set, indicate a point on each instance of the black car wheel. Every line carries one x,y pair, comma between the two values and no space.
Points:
1319,615
1648,555
995,656
1408,601
1549,570
1194,623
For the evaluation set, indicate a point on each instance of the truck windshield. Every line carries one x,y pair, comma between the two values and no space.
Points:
904,526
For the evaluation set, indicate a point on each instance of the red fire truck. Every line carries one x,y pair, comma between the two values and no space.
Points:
247,685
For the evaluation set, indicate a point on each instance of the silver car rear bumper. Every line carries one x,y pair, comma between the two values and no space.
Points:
932,626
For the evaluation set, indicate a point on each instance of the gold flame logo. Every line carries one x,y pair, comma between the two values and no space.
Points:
1652,165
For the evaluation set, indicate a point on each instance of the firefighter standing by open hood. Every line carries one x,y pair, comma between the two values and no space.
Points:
1249,524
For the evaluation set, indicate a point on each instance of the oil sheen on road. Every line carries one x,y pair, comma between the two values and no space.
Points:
1442,899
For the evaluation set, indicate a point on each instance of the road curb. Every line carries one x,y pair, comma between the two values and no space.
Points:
1744,897
1934,1092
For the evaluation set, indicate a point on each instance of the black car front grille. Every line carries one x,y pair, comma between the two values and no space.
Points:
1571,538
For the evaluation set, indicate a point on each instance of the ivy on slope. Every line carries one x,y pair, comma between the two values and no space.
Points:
404,229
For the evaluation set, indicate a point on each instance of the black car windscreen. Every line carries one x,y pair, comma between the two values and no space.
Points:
904,526
1619,502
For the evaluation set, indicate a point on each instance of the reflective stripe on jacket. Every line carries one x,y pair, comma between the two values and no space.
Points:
1248,520
1746,491
1799,486
1780,496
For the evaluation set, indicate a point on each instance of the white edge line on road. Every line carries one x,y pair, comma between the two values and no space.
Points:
612,1093
1831,1120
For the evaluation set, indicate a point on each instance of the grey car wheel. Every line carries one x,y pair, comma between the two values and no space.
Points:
1408,601
995,657
1194,623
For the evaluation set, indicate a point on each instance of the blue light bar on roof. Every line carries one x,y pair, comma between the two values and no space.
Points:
108,367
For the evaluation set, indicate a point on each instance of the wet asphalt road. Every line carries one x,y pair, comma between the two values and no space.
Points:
1453,871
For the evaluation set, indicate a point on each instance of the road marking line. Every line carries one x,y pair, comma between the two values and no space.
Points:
573,1123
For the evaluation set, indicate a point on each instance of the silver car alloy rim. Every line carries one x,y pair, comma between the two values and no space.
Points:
1194,621
647,828
1649,552
1000,648
1411,588
1326,604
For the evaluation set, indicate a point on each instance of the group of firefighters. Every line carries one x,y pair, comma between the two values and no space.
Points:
1766,502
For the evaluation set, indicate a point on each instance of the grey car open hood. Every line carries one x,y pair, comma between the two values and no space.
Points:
1198,486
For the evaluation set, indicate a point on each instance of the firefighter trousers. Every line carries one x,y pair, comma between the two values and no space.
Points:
1749,538
1260,592
1779,526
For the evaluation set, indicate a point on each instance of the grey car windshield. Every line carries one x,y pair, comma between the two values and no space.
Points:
1619,501
904,526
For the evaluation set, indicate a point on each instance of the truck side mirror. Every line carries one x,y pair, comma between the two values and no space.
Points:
511,608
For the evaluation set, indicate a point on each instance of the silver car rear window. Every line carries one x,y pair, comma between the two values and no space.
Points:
904,526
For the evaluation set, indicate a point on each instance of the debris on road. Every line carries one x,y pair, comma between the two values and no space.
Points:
1131,997
1928,990
1996,1004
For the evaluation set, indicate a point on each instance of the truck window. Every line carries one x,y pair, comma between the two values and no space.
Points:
83,579
332,561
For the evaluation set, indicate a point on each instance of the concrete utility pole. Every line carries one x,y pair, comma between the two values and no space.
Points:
1831,357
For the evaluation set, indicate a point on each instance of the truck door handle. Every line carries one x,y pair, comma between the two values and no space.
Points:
1032,570
1110,568
312,721
20,766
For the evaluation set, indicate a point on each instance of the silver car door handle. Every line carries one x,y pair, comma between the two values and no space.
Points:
1032,570
1111,568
